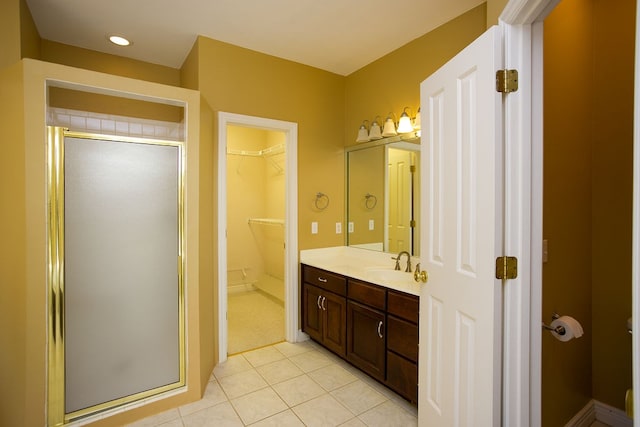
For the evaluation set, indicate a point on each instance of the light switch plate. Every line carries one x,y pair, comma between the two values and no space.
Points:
371,225
351,227
314,227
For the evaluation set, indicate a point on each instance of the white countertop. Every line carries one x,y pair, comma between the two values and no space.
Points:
366,265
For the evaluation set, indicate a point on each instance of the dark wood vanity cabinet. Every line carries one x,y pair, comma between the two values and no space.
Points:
374,328
324,308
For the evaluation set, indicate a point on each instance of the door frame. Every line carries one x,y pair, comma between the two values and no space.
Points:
522,23
291,296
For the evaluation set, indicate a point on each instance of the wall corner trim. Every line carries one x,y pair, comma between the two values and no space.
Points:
598,411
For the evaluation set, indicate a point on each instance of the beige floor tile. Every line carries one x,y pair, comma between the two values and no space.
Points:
358,397
157,419
310,361
263,356
322,411
258,405
388,414
332,377
237,385
292,349
174,423
283,419
215,416
279,371
299,389
354,422
212,396
232,365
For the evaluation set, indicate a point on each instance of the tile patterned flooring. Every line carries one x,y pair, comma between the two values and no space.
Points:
289,384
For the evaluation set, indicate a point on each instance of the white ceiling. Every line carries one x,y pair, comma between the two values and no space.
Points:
340,36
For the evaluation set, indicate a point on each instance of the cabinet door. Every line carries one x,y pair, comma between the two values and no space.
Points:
366,347
312,313
402,376
334,334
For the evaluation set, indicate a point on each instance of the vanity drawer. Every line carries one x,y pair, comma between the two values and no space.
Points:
324,279
402,338
366,293
404,305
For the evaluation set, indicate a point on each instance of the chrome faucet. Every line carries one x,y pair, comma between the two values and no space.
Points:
397,259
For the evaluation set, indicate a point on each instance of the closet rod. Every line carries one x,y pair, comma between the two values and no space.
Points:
266,221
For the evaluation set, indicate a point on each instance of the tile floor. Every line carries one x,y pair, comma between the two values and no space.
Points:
254,320
290,385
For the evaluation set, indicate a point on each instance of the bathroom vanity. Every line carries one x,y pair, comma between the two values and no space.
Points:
355,304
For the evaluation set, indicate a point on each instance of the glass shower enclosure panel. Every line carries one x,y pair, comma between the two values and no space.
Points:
122,314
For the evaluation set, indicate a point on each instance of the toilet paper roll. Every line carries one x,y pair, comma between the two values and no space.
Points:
572,328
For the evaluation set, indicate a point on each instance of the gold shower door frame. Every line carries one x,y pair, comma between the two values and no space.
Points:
56,415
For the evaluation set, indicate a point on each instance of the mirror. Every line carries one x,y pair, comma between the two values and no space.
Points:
383,195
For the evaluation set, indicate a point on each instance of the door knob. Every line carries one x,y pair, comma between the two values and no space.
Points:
420,276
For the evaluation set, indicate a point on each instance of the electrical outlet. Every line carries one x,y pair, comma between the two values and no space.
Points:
371,225
338,228
351,227
314,227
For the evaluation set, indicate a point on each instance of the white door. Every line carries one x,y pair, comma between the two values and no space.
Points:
399,167
460,305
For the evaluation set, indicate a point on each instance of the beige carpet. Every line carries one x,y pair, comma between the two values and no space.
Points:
254,320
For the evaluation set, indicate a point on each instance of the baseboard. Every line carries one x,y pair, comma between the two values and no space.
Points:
613,416
598,411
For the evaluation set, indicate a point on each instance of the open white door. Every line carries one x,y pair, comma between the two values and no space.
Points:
460,305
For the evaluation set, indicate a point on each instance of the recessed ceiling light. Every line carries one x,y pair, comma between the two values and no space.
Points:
119,40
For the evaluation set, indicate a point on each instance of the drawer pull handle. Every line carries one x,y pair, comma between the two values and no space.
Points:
318,302
322,279
380,329
323,300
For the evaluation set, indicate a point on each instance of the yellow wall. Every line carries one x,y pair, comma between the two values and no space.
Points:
13,248
393,82
587,202
255,189
29,37
117,65
612,139
10,32
566,367
242,81
494,9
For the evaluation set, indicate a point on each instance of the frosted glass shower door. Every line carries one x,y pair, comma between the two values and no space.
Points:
123,293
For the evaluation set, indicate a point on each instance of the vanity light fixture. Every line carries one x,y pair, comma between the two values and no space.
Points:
363,133
389,128
404,125
118,40
375,132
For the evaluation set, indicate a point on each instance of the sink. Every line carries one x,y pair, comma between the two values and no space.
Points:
387,275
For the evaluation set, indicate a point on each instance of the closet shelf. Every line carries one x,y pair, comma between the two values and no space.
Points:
276,149
266,221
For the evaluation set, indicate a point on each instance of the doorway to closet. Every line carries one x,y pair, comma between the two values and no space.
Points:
256,163
257,257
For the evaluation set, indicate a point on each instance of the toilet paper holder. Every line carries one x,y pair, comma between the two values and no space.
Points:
559,329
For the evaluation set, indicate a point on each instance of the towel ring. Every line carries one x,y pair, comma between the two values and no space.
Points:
319,204
370,201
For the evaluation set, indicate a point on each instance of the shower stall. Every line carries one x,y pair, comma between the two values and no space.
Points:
255,237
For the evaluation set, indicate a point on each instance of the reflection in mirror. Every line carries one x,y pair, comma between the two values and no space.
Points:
383,195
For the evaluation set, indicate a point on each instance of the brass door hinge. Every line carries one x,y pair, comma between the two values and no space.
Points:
506,81
506,267
412,223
